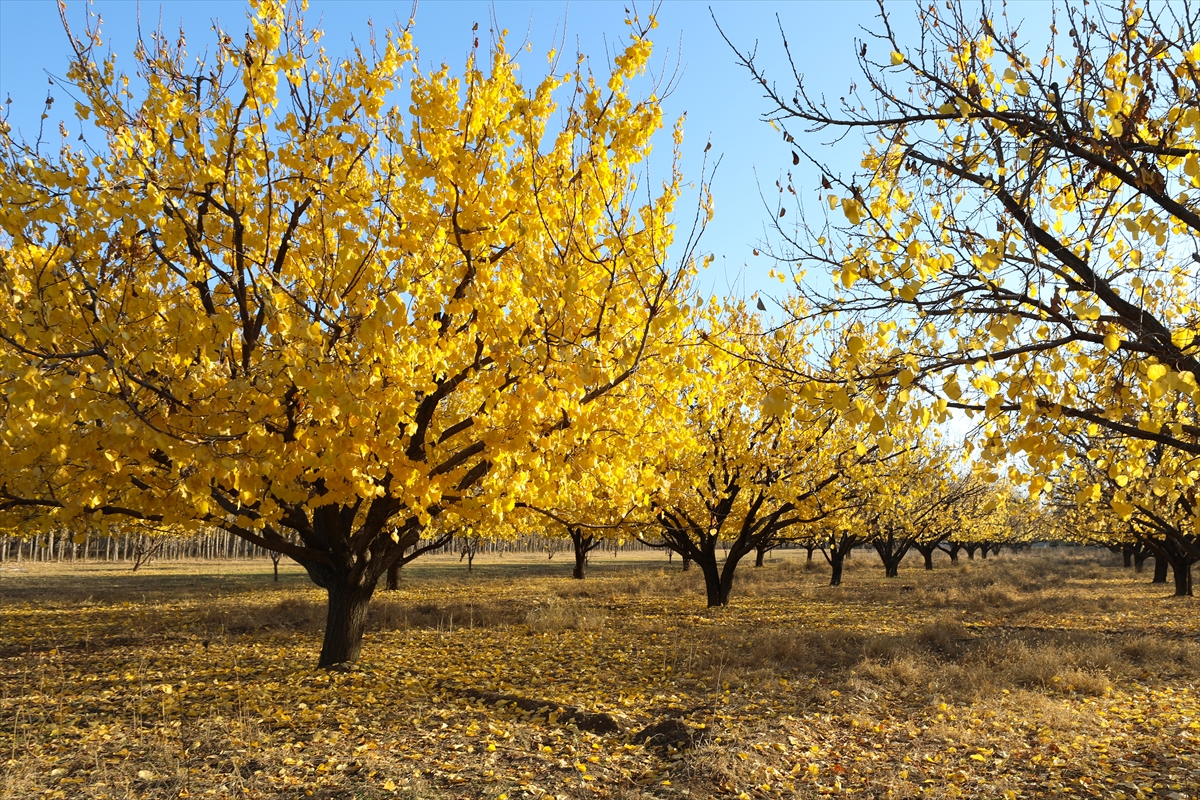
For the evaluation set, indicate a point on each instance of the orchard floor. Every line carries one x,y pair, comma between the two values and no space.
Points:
1051,673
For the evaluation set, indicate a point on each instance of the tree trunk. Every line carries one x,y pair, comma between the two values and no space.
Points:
1183,578
345,622
927,554
953,553
1160,568
891,568
393,575
687,562
1127,557
1139,559
583,545
716,594
808,562
837,560
758,557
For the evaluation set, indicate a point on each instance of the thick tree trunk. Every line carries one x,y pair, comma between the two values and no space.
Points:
712,582
1127,557
927,554
760,553
837,561
891,553
583,545
345,622
1183,578
970,548
726,582
393,575
580,563
953,553
1160,568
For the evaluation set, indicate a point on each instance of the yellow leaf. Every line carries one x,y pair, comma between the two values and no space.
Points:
853,211
1112,342
897,58
1123,510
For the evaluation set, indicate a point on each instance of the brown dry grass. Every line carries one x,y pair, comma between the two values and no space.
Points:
1067,671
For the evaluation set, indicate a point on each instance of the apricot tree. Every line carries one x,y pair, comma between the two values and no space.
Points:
268,299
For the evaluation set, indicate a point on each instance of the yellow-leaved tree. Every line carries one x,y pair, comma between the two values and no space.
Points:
268,299
1028,214
755,459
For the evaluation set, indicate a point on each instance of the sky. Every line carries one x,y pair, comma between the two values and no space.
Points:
722,104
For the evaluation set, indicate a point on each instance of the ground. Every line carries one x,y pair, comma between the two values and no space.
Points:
1047,673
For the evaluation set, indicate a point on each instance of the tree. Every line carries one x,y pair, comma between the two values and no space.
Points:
756,459
273,303
1147,509
913,499
1028,220
600,487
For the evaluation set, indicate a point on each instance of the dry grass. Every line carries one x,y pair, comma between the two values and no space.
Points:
1058,669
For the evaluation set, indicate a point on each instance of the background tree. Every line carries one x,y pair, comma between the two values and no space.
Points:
911,499
267,300
755,459
1148,508
600,488
1027,220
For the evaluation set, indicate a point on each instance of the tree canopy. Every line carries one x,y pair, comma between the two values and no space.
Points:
272,300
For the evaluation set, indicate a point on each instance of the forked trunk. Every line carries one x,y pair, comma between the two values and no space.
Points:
345,623
717,582
583,545
928,556
891,568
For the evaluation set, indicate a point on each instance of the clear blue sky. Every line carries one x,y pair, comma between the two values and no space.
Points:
722,104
